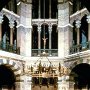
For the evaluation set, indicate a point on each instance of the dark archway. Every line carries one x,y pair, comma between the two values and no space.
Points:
7,78
81,76
84,31
5,30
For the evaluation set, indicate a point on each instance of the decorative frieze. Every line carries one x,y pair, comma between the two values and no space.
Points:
42,21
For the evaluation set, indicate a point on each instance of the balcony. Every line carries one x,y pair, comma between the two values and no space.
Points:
50,52
79,48
9,48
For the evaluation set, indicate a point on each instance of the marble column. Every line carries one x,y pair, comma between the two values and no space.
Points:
1,20
63,83
88,21
11,24
27,82
24,32
78,24
39,39
50,39
63,29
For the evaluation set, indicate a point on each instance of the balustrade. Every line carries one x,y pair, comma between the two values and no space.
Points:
4,44
80,47
50,52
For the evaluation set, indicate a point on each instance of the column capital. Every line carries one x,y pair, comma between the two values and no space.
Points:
78,23
88,19
1,19
11,24
39,28
50,28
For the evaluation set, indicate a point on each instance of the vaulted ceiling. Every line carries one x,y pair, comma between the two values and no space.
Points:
85,2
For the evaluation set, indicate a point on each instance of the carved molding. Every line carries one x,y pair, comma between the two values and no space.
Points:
10,15
44,21
78,15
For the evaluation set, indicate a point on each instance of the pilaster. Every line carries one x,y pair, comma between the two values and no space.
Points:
24,83
63,83
63,29
27,82
24,29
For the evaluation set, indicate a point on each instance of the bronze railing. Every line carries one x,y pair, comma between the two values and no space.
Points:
9,48
79,48
50,52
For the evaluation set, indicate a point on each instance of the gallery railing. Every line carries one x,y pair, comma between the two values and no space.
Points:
50,52
79,48
9,48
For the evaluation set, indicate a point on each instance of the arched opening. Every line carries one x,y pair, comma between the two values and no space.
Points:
15,34
44,35
84,31
7,78
80,75
74,42
34,37
54,37
5,30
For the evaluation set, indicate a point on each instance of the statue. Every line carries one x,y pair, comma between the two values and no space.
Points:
4,41
14,45
44,39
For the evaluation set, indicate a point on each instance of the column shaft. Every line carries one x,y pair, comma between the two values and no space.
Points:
0,32
11,36
50,39
11,24
88,21
88,31
78,24
1,17
78,36
39,39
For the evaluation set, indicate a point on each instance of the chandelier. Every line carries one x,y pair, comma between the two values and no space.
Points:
43,67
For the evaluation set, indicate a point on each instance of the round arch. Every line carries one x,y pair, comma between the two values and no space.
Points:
7,78
80,75
12,64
